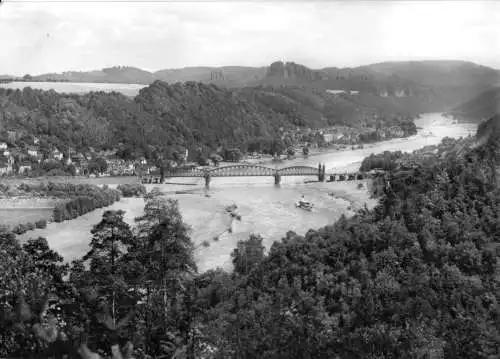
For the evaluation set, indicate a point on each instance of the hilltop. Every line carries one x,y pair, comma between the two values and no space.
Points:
124,74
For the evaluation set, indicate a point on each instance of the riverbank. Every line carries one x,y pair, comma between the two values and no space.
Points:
315,152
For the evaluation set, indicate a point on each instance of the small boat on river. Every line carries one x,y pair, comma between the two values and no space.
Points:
305,205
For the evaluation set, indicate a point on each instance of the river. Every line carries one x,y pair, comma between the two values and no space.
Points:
264,208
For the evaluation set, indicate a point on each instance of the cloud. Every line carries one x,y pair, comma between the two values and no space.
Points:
53,37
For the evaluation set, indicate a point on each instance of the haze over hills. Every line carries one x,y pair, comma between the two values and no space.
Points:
431,85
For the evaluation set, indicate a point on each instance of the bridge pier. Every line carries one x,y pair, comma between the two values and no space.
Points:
207,180
277,178
321,172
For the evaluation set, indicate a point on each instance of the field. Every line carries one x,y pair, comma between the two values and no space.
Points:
72,87
14,182
19,210
11,217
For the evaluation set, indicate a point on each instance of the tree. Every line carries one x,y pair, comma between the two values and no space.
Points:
98,165
202,160
111,238
247,254
45,259
278,147
166,253
232,154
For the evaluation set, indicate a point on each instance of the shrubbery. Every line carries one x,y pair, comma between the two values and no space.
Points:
25,227
132,190
86,202
41,223
4,188
20,229
384,161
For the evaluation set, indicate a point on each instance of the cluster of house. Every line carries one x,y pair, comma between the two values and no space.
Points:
351,136
21,161
16,161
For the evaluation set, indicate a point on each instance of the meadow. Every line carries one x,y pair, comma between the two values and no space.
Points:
76,87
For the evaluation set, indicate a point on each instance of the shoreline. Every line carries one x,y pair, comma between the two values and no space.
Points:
318,152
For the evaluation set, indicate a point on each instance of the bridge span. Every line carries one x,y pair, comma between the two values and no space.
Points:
248,170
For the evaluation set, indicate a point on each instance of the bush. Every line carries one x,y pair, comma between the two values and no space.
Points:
132,190
4,188
20,229
90,198
41,223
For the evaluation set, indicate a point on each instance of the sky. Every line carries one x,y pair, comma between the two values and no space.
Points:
40,37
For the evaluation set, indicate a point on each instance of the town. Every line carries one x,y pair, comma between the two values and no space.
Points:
26,155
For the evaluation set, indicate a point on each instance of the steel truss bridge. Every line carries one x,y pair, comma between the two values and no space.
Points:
247,170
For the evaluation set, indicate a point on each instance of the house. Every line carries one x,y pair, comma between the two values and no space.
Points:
6,153
24,168
33,151
381,134
12,135
78,158
143,160
36,140
335,92
396,132
6,166
3,146
328,137
57,155
119,166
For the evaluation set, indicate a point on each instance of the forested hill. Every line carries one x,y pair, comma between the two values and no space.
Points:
161,115
183,114
483,106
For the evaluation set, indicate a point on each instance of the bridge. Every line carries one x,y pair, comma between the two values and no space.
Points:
248,170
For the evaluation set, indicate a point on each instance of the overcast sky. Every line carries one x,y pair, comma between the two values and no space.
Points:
40,37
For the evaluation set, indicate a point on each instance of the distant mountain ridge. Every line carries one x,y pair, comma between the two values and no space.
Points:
434,85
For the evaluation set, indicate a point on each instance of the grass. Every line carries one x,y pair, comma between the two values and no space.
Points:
11,217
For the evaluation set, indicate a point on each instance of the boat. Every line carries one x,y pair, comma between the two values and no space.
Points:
427,133
308,206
